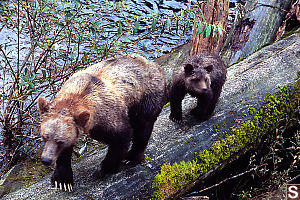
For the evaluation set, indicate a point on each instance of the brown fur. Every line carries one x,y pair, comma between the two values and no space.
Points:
202,76
115,101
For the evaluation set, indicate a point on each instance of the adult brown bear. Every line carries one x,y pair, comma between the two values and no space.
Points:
202,76
115,101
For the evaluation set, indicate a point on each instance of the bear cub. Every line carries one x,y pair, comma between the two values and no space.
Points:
115,101
202,76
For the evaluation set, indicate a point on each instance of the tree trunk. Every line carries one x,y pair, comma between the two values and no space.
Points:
256,28
214,12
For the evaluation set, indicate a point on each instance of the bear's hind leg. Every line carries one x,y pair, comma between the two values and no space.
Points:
176,97
203,109
142,133
214,101
117,151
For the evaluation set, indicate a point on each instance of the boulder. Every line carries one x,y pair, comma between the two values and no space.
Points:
248,81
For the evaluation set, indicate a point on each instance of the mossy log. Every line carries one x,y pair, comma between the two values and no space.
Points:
252,79
274,110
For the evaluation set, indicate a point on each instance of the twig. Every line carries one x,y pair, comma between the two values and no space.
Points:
227,179
18,47
29,53
8,62
296,177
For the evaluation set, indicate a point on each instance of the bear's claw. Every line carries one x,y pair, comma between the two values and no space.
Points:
178,121
67,187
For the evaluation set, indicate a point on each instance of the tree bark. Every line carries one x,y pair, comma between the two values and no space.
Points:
214,12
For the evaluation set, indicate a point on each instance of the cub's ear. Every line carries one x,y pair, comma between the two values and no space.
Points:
209,68
188,68
43,105
82,118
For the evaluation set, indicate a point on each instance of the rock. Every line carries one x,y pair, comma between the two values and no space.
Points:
255,29
253,78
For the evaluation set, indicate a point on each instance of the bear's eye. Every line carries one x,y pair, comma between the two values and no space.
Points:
44,139
196,80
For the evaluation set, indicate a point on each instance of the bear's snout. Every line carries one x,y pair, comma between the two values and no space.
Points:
47,161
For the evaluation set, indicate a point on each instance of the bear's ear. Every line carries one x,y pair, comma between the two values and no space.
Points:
188,68
82,118
43,105
209,68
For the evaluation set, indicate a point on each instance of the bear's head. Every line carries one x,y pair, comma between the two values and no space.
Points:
60,129
197,79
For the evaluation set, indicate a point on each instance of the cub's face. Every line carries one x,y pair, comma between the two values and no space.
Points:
197,79
60,129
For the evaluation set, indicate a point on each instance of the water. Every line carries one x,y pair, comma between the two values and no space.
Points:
152,46
165,42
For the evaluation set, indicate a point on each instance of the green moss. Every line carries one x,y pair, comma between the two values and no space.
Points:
224,124
88,197
293,31
251,110
216,128
190,140
239,60
166,105
275,111
147,158
34,171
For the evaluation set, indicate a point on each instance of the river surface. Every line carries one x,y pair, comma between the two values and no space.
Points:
165,42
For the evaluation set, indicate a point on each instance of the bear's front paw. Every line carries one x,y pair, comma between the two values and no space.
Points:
175,119
62,178
135,157
199,115
110,166
101,175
